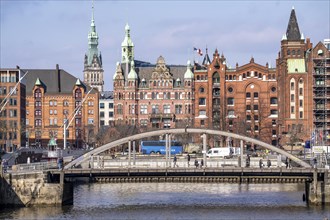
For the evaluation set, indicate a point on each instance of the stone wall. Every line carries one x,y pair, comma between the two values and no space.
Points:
33,189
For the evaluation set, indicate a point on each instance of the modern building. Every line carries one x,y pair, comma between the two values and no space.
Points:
54,96
106,109
12,109
93,70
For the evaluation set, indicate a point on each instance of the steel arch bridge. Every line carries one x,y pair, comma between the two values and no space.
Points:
113,144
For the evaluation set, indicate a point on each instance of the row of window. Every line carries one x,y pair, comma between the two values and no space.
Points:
102,105
155,109
54,121
3,90
102,114
154,95
12,135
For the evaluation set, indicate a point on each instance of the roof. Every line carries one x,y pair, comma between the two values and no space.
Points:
292,32
106,95
55,81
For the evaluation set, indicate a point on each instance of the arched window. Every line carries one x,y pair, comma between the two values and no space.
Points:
78,93
37,93
216,77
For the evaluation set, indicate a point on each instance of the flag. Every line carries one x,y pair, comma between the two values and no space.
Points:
199,51
313,138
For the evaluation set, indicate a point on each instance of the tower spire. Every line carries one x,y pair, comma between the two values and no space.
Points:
292,32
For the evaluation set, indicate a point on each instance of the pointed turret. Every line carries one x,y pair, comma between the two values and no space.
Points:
206,60
132,74
188,74
292,32
92,40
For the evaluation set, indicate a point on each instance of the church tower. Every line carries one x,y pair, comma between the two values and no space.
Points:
294,84
127,47
93,71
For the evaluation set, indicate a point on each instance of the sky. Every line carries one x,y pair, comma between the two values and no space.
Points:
40,34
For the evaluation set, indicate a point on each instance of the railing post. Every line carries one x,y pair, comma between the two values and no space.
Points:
242,143
129,153
169,148
166,150
204,149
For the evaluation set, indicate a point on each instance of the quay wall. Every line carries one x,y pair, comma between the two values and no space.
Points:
33,189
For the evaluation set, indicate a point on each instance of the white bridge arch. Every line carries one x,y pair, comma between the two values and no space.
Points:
113,144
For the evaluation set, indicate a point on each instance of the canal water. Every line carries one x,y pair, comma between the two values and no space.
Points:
179,201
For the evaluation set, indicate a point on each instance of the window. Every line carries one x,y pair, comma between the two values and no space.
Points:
248,117
248,95
38,122
202,123
300,103
273,89
255,107
65,103
167,123
110,114
50,111
178,109
202,101
90,103
78,93
231,113
292,97
256,117
37,93
37,112
255,95
155,109
201,90
102,122
167,109
230,101
292,109
102,105
90,121
143,122
230,89
144,109
110,105
248,107
202,112
300,91
273,101
292,85
120,109
102,114
301,114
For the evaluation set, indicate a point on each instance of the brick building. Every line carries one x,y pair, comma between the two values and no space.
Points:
12,109
51,97
274,105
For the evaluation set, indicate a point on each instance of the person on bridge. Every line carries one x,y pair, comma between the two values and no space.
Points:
261,164
269,163
202,163
196,163
174,161
188,159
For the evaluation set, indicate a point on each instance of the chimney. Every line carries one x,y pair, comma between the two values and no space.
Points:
58,77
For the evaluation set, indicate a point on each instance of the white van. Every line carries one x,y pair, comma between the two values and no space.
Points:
222,152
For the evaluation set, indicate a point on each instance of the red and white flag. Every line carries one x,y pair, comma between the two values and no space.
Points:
199,51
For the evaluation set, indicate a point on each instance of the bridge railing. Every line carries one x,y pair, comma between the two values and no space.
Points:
34,166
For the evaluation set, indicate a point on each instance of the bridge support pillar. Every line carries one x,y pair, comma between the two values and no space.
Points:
318,191
34,189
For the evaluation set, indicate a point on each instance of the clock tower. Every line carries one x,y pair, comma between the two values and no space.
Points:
93,71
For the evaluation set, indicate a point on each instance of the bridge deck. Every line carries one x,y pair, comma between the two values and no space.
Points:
220,171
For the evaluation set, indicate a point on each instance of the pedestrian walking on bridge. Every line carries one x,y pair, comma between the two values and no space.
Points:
196,163
188,159
174,161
